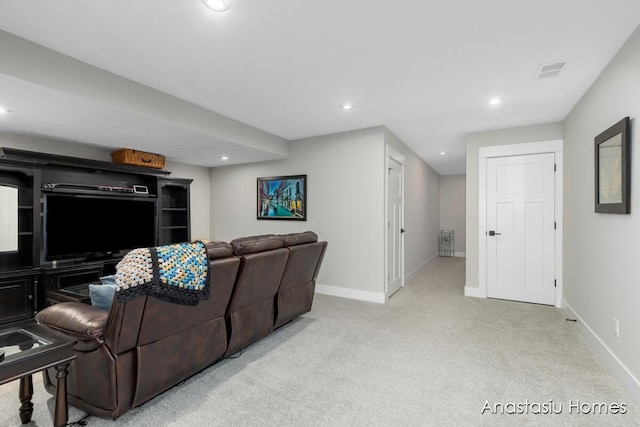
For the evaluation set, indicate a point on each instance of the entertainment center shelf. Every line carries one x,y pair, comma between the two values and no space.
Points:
124,206
174,208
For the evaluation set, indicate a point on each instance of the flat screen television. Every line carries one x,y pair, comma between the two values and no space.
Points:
96,226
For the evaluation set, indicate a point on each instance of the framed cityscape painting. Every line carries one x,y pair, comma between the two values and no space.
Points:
282,197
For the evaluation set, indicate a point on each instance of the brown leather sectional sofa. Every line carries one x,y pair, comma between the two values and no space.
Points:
144,346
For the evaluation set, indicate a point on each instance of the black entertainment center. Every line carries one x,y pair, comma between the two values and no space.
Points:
77,218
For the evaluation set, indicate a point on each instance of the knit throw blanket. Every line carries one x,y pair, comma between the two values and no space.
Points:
176,273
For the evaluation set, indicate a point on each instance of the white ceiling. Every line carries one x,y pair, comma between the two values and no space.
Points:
423,69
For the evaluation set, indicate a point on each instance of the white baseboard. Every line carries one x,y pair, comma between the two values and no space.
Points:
409,277
628,380
473,291
459,254
337,291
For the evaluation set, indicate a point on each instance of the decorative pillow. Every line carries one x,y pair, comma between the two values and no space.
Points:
102,295
108,280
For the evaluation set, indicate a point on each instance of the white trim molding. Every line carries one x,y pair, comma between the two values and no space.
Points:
628,380
336,291
521,149
474,291
409,277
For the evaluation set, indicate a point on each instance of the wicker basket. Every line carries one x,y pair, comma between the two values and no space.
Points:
128,156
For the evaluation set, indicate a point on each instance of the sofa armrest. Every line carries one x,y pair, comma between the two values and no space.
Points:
83,322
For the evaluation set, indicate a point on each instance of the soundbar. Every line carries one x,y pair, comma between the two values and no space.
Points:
138,189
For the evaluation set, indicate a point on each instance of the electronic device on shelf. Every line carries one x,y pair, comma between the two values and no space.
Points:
140,189
54,185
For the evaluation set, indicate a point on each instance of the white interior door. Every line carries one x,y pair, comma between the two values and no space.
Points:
394,227
520,228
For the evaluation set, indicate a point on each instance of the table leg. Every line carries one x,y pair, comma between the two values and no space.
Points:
25,393
62,410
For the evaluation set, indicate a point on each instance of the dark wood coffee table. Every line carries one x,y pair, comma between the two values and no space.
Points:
29,348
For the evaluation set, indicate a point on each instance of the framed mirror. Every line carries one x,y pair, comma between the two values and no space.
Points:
8,218
613,169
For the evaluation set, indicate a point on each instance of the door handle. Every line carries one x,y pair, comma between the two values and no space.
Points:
493,233
402,230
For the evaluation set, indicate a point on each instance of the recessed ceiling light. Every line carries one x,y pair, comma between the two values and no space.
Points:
224,158
442,153
346,106
217,5
494,101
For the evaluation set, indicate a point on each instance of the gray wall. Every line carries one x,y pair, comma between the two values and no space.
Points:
346,185
200,192
601,263
345,204
452,209
543,132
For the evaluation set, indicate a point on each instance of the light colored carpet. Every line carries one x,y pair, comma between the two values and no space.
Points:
430,357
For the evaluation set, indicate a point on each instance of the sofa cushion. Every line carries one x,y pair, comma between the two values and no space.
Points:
81,321
294,239
254,244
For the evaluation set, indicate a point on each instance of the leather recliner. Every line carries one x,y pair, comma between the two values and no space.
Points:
250,315
143,346
295,294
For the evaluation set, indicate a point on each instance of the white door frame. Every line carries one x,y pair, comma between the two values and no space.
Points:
553,146
392,154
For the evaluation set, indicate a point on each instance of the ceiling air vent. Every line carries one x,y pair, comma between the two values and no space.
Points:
550,70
